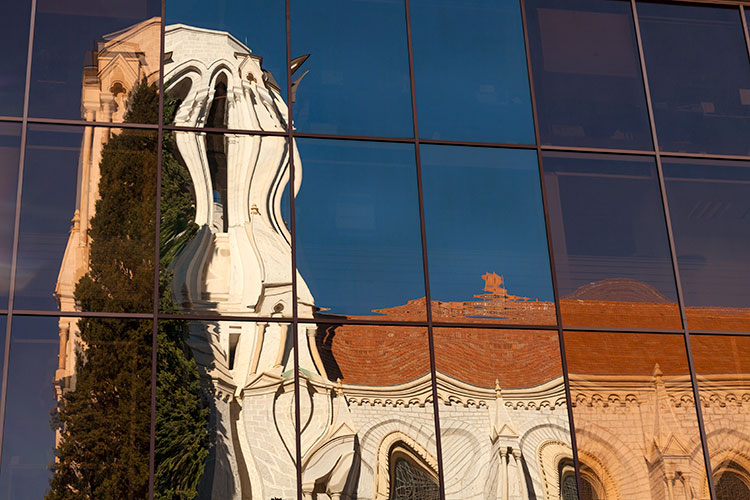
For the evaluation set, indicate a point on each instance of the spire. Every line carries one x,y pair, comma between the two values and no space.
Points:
502,426
667,439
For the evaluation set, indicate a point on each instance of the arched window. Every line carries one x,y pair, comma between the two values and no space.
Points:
590,484
216,152
411,479
731,482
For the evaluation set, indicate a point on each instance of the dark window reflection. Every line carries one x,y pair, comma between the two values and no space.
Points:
225,63
89,55
9,148
709,202
634,413
610,241
75,421
486,239
29,440
587,74
14,36
87,220
699,75
358,236
359,67
485,97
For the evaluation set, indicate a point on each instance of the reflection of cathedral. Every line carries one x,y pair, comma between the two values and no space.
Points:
119,62
366,394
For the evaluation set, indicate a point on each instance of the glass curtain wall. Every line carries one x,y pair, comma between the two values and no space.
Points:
386,249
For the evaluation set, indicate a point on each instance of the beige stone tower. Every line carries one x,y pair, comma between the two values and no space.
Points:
120,60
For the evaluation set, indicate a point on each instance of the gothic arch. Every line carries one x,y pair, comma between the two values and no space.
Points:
732,481
729,463
625,466
556,464
398,445
468,477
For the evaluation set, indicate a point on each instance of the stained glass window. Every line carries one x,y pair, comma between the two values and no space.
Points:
411,482
730,486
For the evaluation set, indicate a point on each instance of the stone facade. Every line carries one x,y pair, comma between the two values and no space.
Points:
366,396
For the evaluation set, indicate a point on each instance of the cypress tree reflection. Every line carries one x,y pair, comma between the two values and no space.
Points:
104,417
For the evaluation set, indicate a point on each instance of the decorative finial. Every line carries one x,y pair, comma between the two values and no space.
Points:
339,388
498,392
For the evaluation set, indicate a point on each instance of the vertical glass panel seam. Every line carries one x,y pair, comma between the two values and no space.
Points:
423,235
673,253
16,224
560,336
743,17
293,263
157,254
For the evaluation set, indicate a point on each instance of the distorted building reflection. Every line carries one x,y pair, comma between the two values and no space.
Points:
635,418
367,395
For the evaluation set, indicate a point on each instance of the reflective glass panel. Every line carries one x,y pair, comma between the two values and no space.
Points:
359,67
610,241
587,76
709,202
722,366
699,75
358,237
484,97
384,392
225,65
10,139
78,409
225,240
225,408
90,55
634,414
485,221
88,212
14,35
503,415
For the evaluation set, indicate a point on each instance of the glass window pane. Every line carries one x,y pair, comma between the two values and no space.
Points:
87,220
722,368
513,381
225,64
699,75
484,98
587,74
225,238
709,202
634,414
383,373
14,34
10,141
225,409
359,67
485,221
113,44
610,241
359,249
78,408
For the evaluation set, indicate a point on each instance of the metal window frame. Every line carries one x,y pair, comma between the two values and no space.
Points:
295,321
